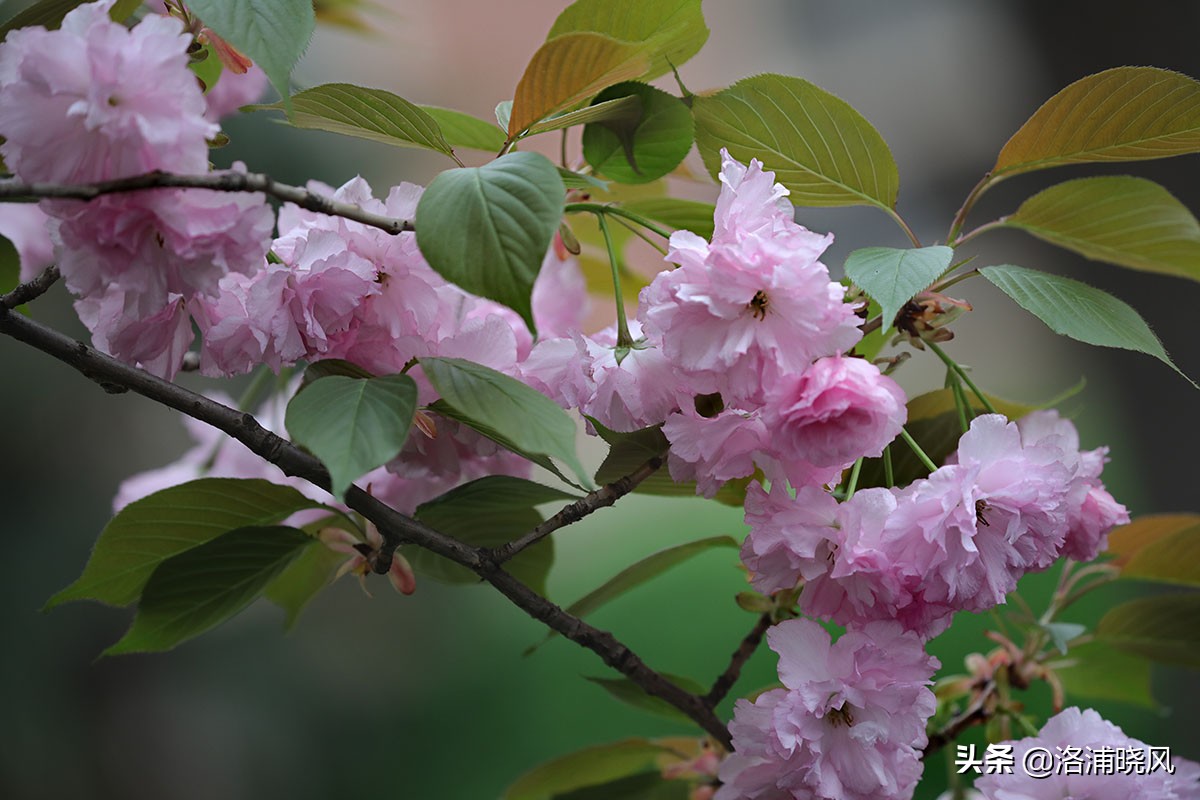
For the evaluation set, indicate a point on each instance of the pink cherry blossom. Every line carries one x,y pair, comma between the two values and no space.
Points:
234,90
790,538
94,100
752,305
849,724
713,450
836,411
1085,737
155,340
25,225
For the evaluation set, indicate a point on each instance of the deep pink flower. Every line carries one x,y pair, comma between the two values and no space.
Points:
849,725
838,410
94,100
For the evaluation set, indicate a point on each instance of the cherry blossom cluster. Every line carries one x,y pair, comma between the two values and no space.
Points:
741,352
1012,499
95,101
737,352
848,724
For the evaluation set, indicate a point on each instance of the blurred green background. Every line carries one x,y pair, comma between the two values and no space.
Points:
429,696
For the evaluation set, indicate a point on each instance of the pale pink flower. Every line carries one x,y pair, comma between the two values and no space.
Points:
790,538
25,225
94,100
1075,741
849,725
713,450
1091,510
234,90
751,306
155,340
162,241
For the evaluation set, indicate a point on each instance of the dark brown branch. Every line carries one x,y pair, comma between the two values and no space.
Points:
728,678
31,290
601,498
394,526
977,712
217,181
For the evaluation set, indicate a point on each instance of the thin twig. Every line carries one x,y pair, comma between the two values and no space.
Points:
30,290
395,527
728,678
217,181
974,714
601,498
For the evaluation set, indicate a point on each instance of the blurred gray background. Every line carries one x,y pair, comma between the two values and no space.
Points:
428,696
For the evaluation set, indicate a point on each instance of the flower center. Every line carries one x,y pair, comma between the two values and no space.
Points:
980,507
840,716
758,304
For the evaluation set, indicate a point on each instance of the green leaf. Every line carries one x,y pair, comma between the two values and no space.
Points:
819,147
505,410
149,531
633,695
649,785
1131,222
644,146
10,268
1165,628
1174,558
196,591
489,512
892,276
1121,114
1099,671
487,229
1061,633
577,180
463,130
331,366
310,572
363,113
933,422
689,215
637,574
568,70
628,451
207,69
1079,311
49,14
671,31
621,108
587,767
273,33
352,425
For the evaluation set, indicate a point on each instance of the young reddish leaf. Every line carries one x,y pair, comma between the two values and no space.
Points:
567,71
1121,114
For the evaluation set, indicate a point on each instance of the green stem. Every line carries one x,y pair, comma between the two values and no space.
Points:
981,229
948,282
962,373
852,483
916,448
960,399
889,474
602,208
912,237
623,337
641,234
960,218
